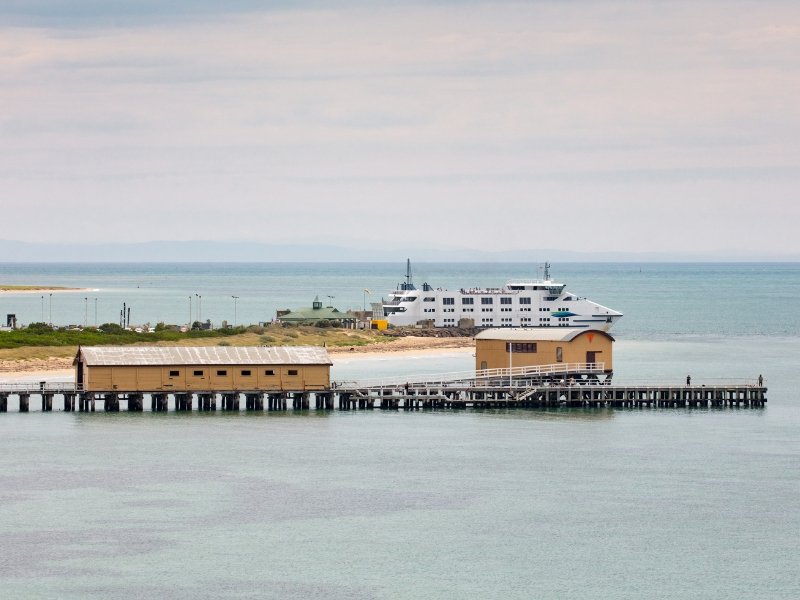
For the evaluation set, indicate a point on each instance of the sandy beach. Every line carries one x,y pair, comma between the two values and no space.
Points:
406,346
10,290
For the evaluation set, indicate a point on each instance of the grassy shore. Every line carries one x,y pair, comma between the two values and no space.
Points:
37,344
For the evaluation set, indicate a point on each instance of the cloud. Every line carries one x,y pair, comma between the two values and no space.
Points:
542,115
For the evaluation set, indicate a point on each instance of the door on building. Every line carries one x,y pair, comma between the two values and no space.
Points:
79,375
591,357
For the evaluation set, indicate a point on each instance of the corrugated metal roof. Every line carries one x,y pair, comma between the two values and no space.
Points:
204,355
536,334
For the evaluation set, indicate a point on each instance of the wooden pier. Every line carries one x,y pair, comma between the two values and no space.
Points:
418,395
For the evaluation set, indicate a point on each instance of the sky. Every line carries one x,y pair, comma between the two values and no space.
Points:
581,125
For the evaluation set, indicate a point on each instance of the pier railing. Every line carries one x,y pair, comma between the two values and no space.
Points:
479,377
58,387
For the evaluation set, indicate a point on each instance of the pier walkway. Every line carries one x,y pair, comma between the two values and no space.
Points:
568,385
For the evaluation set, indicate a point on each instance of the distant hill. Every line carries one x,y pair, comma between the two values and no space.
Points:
207,251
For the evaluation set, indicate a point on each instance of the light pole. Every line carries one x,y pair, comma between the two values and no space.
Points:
85,311
190,311
235,298
51,310
364,305
42,309
330,300
95,312
199,307
510,364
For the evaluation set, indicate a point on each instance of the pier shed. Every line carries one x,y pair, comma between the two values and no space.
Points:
537,346
202,369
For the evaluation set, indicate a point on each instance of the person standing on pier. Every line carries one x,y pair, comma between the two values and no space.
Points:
760,381
688,380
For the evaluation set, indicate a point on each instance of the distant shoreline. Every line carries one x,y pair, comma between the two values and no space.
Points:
36,289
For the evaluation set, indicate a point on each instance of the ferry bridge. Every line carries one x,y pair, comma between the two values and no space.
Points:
561,385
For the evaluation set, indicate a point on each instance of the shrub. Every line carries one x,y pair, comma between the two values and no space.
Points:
110,328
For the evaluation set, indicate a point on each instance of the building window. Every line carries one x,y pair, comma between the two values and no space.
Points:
245,373
487,300
176,373
524,300
269,372
525,347
467,300
292,372
505,300
559,354
448,301
198,373
222,373
429,299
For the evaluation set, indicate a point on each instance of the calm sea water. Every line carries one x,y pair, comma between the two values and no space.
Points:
512,504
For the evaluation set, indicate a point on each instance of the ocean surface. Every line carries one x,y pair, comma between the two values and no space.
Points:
653,503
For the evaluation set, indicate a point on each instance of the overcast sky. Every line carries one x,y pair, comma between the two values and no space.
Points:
578,125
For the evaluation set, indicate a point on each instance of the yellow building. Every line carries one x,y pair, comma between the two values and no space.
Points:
202,369
537,346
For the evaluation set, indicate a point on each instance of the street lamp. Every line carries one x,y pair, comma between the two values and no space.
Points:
95,312
190,311
330,300
42,309
199,307
510,364
51,309
235,298
85,311
364,306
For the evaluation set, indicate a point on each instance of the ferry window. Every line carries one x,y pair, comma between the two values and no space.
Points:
174,373
568,298
429,299
222,373
292,371
198,373
447,301
486,300
269,372
505,300
468,301
524,300
411,299
245,373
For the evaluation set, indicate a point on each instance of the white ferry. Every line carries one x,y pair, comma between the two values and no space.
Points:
539,303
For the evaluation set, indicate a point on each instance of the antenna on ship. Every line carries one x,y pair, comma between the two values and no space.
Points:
547,271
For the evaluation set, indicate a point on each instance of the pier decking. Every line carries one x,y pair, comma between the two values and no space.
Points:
569,385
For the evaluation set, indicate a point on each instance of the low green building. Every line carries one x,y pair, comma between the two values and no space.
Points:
316,313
